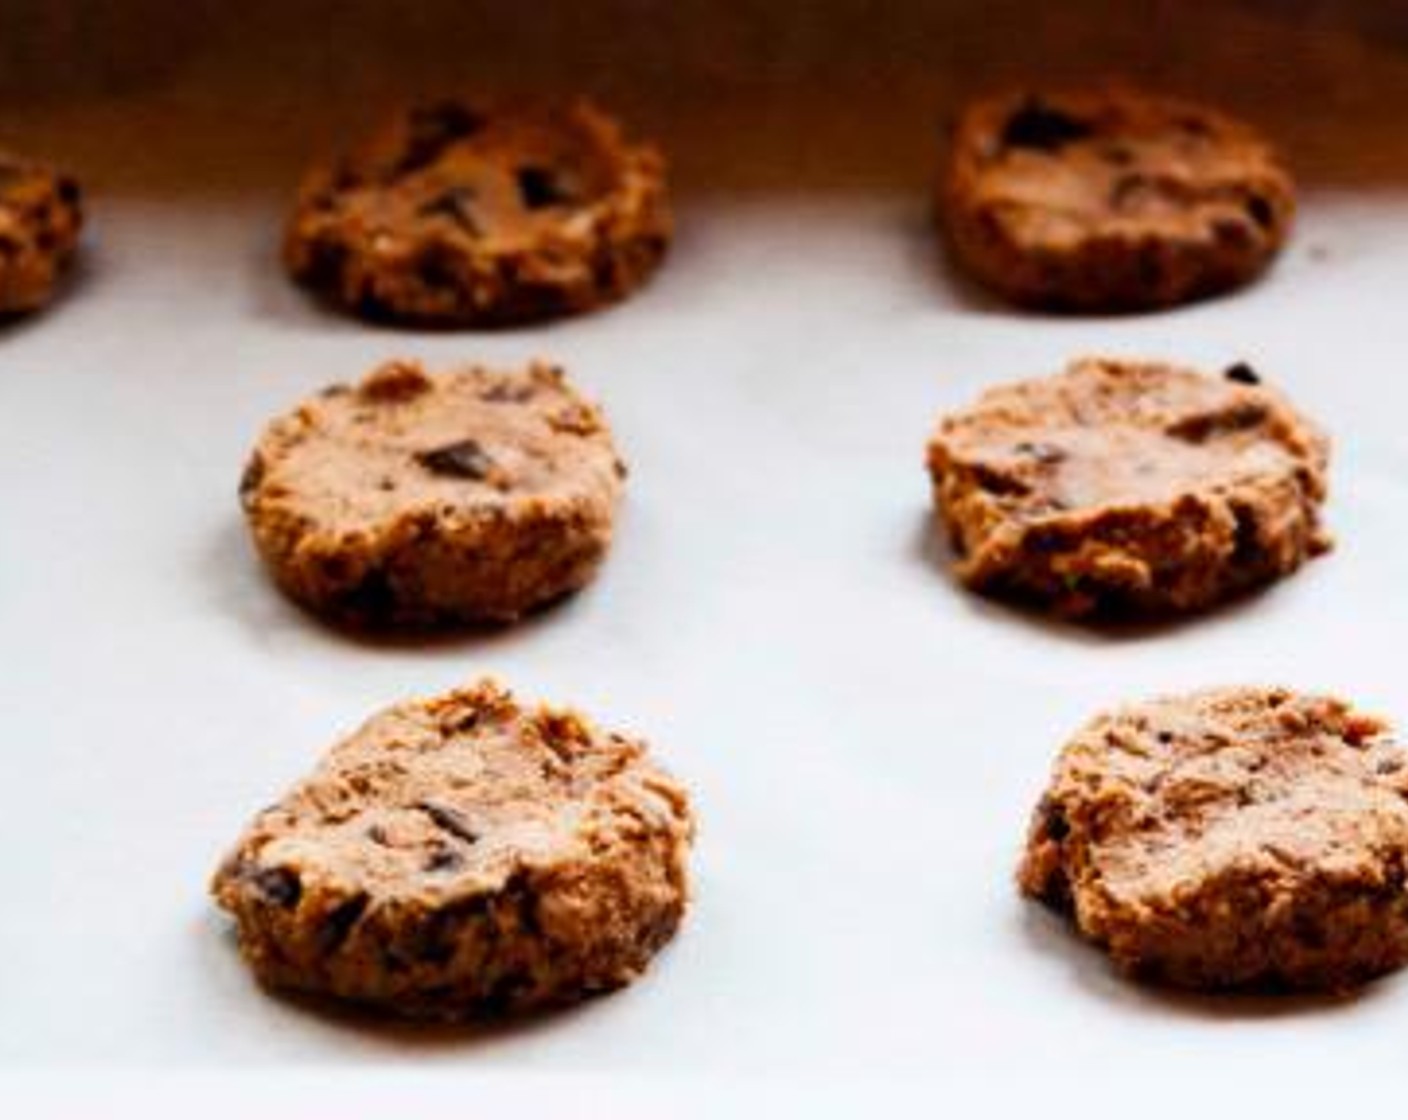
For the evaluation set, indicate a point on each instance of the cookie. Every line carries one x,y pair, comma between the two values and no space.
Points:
412,500
464,856
40,218
1234,838
1125,488
1111,200
483,214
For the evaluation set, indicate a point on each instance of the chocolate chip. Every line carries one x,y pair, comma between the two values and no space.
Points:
432,128
997,482
68,190
465,459
506,991
1040,126
1048,454
372,598
541,187
377,835
449,820
443,859
1054,822
1247,550
457,204
1261,211
338,923
438,268
323,264
278,886
1242,373
1240,417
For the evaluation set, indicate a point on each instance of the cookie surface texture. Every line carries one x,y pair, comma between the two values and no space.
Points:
1111,200
475,214
1235,838
40,219
415,500
464,856
1122,488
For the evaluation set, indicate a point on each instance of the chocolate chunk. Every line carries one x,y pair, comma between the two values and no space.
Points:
1247,549
339,922
372,598
433,128
438,268
1242,373
1054,822
1048,454
541,187
278,886
465,459
1261,211
443,859
999,482
1238,418
506,990
449,820
457,204
68,190
1044,128
324,264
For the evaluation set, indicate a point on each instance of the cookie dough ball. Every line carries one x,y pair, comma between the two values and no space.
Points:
1122,488
480,214
40,220
412,500
464,856
1237,838
1111,200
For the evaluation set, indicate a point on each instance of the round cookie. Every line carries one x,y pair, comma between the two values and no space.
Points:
1236,838
1111,200
1129,488
483,214
40,219
464,856
413,500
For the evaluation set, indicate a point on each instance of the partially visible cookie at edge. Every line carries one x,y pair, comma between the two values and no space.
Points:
464,856
412,500
1124,488
479,213
40,220
1237,838
1111,200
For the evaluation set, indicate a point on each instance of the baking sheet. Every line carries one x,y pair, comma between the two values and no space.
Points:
864,739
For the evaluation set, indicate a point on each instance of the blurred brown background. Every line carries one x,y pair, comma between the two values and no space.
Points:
746,94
